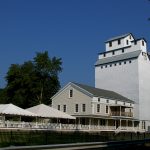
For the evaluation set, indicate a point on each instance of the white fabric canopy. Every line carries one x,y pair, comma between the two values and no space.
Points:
10,109
49,112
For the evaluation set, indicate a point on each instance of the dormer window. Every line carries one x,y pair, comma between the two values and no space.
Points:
119,41
110,44
70,93
130,37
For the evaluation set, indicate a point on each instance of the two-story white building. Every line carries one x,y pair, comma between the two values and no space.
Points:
96,109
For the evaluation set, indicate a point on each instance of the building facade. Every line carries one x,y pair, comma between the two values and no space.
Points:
125,68
97,109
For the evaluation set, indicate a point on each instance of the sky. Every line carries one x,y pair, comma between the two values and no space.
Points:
74,30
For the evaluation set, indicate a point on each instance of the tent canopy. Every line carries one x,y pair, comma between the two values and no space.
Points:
10,109
49,112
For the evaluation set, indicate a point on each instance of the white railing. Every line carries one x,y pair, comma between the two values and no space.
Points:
59,126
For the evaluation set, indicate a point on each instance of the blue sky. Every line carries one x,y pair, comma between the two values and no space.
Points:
74,30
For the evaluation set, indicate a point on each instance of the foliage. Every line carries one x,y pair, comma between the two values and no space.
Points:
32,82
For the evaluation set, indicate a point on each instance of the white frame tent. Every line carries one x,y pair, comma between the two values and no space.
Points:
45,111
13,110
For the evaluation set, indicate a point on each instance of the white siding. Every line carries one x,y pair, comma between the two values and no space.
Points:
122,79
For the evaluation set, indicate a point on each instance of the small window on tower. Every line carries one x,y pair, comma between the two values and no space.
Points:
127,42
110,44
142,43
119,41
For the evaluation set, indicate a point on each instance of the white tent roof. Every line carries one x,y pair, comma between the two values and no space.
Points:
10,109
49,112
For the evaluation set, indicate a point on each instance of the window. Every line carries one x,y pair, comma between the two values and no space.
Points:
98,107
119,63
71,93
105,66
101,67
113,52
104,55
106,109
76,108
130,61
115,64
130,36
127,42
124,103
64,108
83,107
142,43
98,99
119,41
110,44
124,62
116,102
122,50
107,101
110,65
58,107
143,124
135,42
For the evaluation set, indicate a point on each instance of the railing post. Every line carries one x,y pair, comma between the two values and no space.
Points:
60,127
89,123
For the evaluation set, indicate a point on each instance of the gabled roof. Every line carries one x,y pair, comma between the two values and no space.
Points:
119,37
10,109
96,92
45,111
116,58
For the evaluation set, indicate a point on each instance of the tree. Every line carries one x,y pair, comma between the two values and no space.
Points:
33,82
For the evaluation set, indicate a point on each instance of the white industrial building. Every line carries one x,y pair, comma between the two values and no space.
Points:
125,68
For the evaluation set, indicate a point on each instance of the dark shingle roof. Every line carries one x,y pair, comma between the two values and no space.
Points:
120,57
118,37
103,93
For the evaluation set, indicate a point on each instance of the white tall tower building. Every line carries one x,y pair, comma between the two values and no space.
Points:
125,68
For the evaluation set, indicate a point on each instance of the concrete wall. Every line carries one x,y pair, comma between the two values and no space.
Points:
144,87
122,79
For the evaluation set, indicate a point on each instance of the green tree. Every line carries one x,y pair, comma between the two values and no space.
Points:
33,82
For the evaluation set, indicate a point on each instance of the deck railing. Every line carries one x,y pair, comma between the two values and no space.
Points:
63,127
125,114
